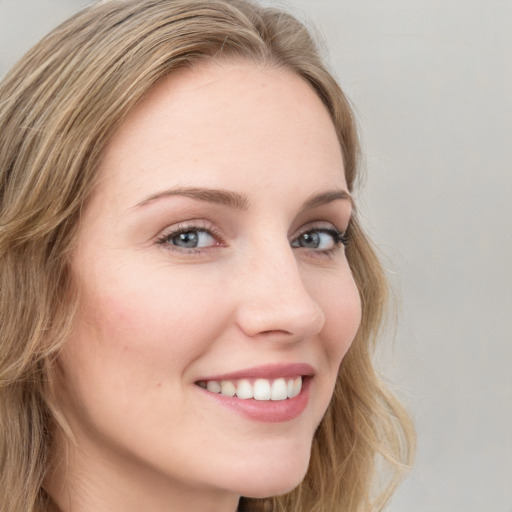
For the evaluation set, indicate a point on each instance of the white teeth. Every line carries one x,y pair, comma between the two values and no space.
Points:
227,388
261,389
213,386
297,387
278,391
289,387
244,390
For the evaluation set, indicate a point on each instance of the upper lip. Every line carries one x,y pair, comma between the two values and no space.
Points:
270,371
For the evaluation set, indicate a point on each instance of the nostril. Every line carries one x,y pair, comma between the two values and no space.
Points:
279,306
285,323
274,332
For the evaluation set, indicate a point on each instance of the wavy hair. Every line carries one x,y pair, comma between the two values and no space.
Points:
59,107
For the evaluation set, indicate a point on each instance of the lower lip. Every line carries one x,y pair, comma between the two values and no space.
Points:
266,411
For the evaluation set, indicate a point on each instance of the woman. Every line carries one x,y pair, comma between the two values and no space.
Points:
188,301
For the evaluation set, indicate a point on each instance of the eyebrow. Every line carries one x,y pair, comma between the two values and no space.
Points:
327,197
223,197
241,201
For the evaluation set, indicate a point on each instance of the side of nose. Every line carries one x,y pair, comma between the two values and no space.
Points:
273,301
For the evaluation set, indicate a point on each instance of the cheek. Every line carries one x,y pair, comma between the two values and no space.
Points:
130,351
146,325
342,309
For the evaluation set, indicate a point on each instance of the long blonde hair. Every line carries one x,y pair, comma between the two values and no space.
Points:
58,108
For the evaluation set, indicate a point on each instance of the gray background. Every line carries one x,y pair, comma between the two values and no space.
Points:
431,81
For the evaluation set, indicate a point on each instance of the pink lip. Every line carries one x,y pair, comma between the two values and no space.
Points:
261,410
271,371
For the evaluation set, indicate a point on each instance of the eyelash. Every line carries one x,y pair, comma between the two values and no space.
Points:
340,239
166,237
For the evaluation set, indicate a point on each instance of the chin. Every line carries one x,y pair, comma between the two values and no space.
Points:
278,476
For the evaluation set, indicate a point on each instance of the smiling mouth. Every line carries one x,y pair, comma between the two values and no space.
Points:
279,389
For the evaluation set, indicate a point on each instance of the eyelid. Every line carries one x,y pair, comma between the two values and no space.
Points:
186,226
202,225
317,226
339,237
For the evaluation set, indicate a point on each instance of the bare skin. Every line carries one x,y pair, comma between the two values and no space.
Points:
212,245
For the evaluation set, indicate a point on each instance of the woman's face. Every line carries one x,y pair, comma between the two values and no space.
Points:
210,256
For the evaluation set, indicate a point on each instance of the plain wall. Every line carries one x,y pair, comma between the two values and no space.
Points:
431,81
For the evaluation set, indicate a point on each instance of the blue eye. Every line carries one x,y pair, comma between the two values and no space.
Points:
190,238
319,239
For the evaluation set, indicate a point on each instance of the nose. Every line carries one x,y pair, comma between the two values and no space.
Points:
274,301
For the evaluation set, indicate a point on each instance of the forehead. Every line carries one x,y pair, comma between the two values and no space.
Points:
226,120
